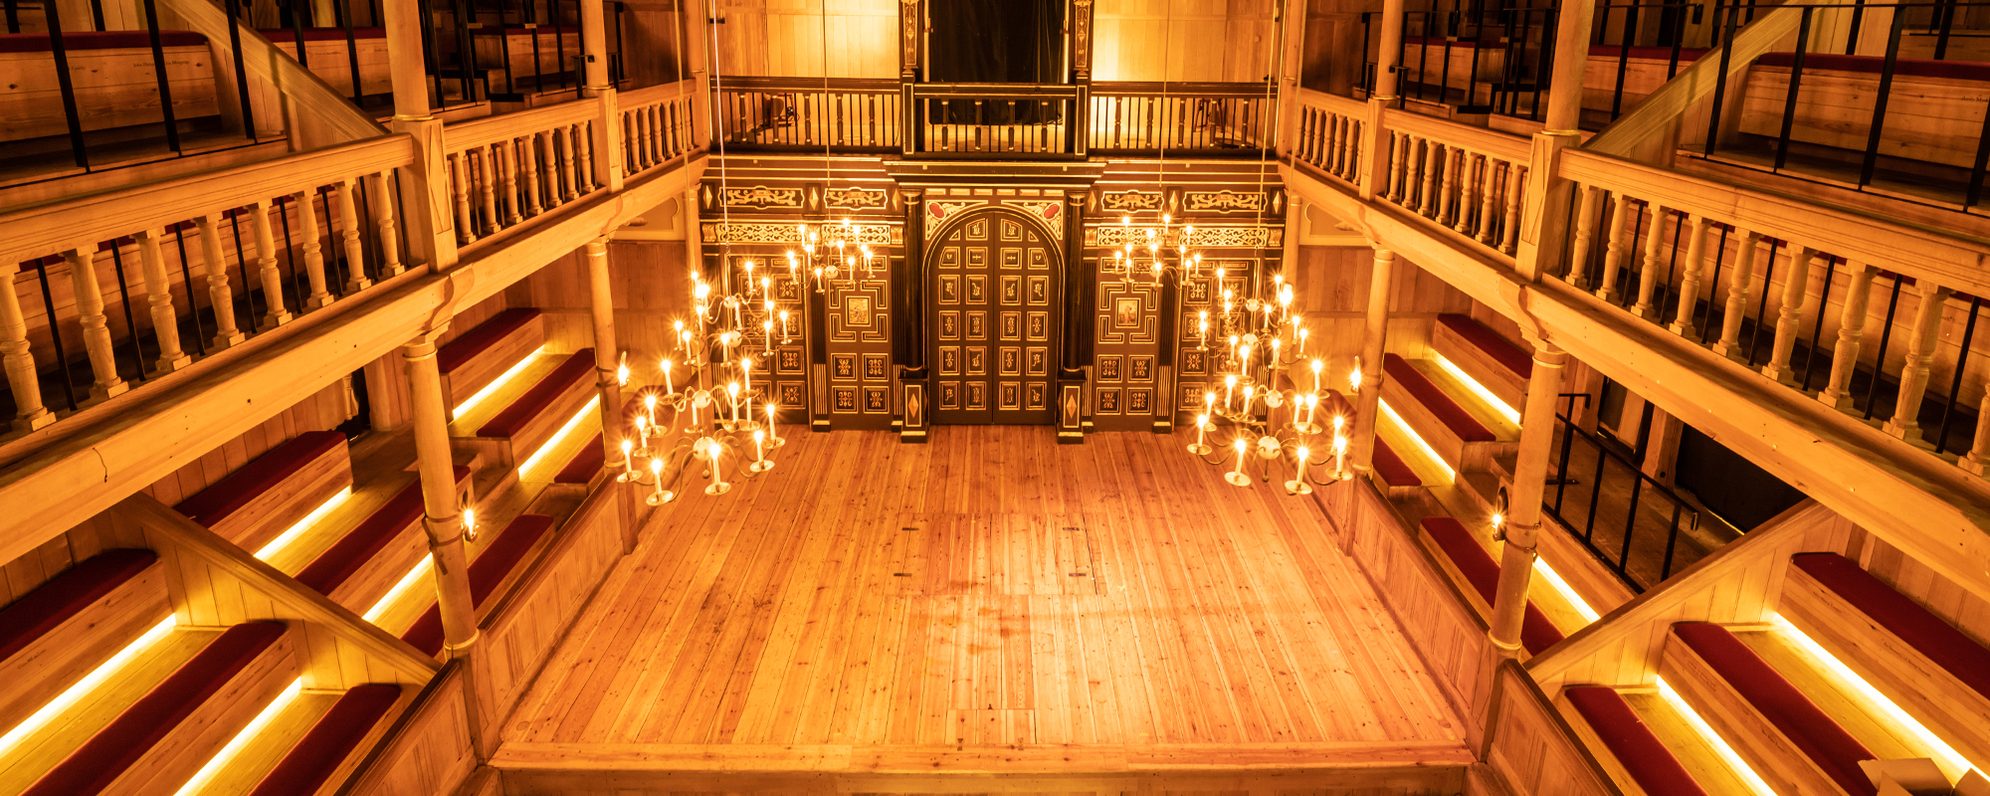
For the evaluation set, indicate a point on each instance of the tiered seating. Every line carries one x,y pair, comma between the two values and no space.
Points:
1915,657
585,464
363,563
73,622
473,359
1455,544
1395,473
531,418
491,568
1491,360
199,707
1456,426
1793,743
330,745
1631,743
249,509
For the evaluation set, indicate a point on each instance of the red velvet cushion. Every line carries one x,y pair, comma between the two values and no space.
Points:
1975,71
1834,751
55,601
308,764
1536,632
236,489
1482,337
514,417
1958,654
358,546
1392,468
1432,397
289,35
103,758
584,464
1647,760
490,569
455,353
93,40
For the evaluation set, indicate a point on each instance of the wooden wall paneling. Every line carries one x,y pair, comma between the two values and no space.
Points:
1165,39
324,410
784,38
427,751
1532,748
858,343
521,630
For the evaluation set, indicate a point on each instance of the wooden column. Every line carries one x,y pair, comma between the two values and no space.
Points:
1837,391
214,260
1921,343
1789,317
1737,295
908,322
442,518
1523,511
96,328
1077,334
18,359
159,301
607,361
1368,401
1542,240
1376,161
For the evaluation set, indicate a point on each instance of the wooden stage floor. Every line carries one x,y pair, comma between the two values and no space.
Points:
987,611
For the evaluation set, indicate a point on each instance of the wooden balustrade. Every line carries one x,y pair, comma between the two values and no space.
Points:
997,120
1204,118
844,115
548,146
1330,129
1735,269
1468,179
125,269
656,126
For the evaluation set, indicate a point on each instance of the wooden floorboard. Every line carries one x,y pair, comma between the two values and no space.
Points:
989,604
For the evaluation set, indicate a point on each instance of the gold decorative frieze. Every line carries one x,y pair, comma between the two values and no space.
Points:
857,198
1049,211
1206,236
764,196
1130,201
778,233
1225,201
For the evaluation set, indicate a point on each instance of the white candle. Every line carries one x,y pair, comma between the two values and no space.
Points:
759,448
1229,389
1201,426
643,430
732,393
1241,446
656,471
668,387
1300,463
1340,456
784,326
628,464
771,411
713,451
1318,366
649,408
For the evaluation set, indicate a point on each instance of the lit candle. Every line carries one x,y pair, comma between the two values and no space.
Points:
748,266
746,372
1318,365
1274,353
622,372
656,472
1340,456
628,463
643,431
1201,426
771,411
649,408
1208,402
759,450
1241,446
1354,376
1202,324
1299,475
718,485
668,387
1229,388
767,336
732,394
1249,390
1312,405
784,326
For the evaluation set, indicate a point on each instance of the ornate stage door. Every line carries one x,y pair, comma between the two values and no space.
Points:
994,301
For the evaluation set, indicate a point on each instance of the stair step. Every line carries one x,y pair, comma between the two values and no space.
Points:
491,568
1490,359
1481,575
471,360
381,547
256,502
331,729
1684,741
1635,747
72,623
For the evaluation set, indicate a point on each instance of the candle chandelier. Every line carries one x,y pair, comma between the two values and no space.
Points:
827,252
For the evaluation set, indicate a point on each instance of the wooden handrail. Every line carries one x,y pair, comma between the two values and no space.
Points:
84,221
648,95
1483,140
493,129
805,84
1186,91
1332,103
1953,262
994,91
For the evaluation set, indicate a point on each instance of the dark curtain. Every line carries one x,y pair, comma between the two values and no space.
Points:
997,41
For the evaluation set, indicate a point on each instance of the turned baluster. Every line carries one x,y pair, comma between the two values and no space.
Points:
533,165
563,146
1921,344
1648,270
1426,202
487,190
1689,277
1837,391
508,180
1447,192
272,279
1789,316
383,216
349,224
18,358
1589,204
159,302
652,136
96,327
460,190
1413,164
1488,194
583,136
1399,145
1977,462
1622,219
1737,295
214,262
1516,181
1468,192
314,252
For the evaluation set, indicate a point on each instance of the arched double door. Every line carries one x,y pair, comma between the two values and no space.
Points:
995,295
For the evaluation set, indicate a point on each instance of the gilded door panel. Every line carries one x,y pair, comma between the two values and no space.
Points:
994,312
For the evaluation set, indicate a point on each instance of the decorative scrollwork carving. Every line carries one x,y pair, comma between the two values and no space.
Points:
1225,201
856,198
1228,237
780,233
1130,201
764,196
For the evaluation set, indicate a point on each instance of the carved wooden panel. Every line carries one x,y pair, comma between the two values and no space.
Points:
783,359
994,299
859,348
1127,345
1195,365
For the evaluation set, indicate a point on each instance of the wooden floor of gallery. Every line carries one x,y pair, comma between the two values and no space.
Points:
987,611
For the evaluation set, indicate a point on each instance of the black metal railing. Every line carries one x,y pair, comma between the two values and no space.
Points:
1636,525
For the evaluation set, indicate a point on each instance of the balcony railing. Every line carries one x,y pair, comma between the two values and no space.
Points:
996,120
796,114
1147,118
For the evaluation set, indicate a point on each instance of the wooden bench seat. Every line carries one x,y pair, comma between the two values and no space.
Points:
204,703
1490,359
360,548
1395,472
1925,664
1637,750
1462,438
474,358
324,750
1791,742
585,464
1482,575
68,625
493,565
537,414
256,502
113,77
